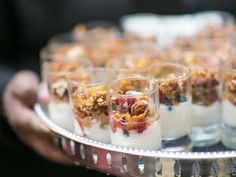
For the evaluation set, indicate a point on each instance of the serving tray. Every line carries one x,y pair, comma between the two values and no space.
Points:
124,161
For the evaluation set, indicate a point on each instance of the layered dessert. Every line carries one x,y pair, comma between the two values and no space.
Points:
206,105
175,100
59,107
90,109
229,99
133,118
174,108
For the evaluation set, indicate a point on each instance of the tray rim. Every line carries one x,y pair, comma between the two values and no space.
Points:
126,150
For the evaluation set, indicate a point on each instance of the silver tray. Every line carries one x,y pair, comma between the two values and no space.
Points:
124,161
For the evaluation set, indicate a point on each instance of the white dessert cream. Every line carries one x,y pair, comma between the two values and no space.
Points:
94,132
175,120
205,115
61,114
229,113
150,138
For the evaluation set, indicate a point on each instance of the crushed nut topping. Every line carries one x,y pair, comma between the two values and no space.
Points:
204,87
58,85
230,87
58,90
131,113
90,104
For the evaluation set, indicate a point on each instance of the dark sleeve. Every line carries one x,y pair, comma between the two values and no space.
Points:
7,46
5,75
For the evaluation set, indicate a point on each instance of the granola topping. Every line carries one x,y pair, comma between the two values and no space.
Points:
131,114
59,90
204,87
90,104
230,87
172,92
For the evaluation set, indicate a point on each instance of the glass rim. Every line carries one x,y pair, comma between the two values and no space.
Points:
153,90
181,66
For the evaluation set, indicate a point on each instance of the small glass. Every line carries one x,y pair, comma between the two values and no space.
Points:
88,97
133,107
175,102
58,104
229,103
89,104
206,97
55,75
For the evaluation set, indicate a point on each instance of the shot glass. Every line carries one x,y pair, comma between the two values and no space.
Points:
133,108
175,102
56,73
206,97
229,103
89,101
59,108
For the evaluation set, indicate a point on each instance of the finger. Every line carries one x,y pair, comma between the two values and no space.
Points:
25,86
43,95
23,117
31,132
44,145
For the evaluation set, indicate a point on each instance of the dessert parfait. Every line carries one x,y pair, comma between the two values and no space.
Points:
175,100
134,113
90,104
229,94
206,97
229,103
58,105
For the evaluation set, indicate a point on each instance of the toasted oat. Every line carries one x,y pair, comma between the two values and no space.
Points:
204,87
92,104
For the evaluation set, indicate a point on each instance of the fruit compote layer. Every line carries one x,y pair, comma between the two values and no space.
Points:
134,123
90,108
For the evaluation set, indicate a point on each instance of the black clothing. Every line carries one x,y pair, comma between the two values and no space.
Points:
25,27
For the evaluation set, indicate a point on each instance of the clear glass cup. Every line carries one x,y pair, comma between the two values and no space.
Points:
206,97
59,108
229,103
133,107
55,73
88,97
175,102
